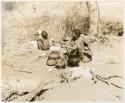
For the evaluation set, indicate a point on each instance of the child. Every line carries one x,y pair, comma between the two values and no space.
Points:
42,41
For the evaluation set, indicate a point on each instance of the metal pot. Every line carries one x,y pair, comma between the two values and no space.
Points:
73,60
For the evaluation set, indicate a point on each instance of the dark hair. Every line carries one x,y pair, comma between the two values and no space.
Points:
77,32
44,34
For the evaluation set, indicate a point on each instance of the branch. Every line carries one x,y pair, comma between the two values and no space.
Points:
34,93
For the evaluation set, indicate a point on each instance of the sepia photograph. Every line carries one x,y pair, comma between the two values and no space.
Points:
62,51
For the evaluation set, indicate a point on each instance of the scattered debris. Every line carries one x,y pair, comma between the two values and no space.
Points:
81,72
63,78
75,73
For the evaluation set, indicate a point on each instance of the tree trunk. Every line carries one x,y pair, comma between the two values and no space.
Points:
94,16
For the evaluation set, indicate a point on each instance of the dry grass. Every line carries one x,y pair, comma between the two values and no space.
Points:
20,20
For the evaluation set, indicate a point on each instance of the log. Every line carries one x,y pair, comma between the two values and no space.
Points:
34,93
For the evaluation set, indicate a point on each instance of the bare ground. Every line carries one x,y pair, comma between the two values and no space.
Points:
107,61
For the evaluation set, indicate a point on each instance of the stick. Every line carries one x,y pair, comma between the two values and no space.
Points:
101,79
116,86
10,65
9,97
22,71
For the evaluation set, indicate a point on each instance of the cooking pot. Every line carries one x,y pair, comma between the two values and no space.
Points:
73,60
51,62
54,55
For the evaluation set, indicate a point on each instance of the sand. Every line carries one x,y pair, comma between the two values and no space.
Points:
107,61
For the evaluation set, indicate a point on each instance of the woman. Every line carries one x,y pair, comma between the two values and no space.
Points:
79,46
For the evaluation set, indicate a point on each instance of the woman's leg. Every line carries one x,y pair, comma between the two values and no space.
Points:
40,45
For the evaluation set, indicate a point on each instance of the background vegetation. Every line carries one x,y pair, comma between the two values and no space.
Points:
20,20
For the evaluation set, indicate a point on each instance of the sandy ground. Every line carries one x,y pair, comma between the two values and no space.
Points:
107,61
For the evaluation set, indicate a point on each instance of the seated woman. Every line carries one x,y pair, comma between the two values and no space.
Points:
42,40
79,47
